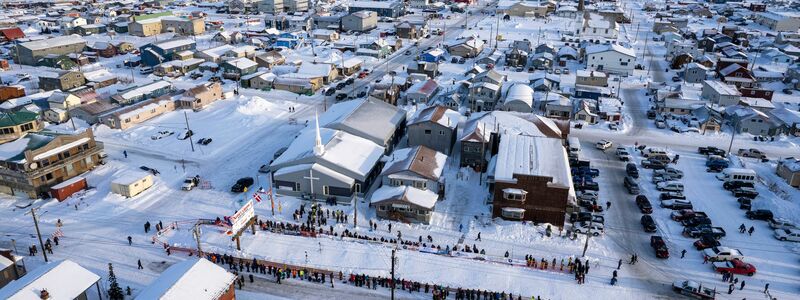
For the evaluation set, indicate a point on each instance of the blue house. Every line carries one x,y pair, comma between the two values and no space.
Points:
590,92
433,55
288,40
164,51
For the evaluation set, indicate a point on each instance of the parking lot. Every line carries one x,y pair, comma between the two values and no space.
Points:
774,261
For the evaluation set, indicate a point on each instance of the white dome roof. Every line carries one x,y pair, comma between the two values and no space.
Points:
520,92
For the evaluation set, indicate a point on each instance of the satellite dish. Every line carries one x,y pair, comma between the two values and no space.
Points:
33,166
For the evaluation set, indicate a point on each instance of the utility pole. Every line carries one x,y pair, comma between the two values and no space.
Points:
355,211
650,65
66,105
38,233
392,283
730,146
188,131
588,234
197,239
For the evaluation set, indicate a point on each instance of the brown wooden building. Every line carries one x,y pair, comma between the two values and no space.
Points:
36,162
531,180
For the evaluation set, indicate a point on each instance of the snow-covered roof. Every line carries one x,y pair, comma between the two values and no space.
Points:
145,89
373,4
62,279
175,43
371,119
14,151
520,92
791,163
321,70
426,88
61,148
99,75
131,177
58,41
481,125
242,63
318,169
194,278
722,88
217,52
412,195
346,153
421,160
439,114
594,49
536,156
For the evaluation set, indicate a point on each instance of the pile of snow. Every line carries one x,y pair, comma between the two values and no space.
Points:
254,106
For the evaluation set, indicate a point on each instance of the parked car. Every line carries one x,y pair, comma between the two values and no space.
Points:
590,205
672,195
588,195
586,227
677,204
706,241
711,151
745,192
589,185
648,223
722,254
745,203
734,267
759,214
696,221
675,173
670,186
185,135
752,152
781,223
660,247
603,145
190,182
644,205
632,170
732,185
586,217
662,178
684,214
792,235
693,289
242,184
632,185
653,164
622,154
704,229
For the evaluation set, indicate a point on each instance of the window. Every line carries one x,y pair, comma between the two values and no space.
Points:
441,132
382,208
427,131
325,190
512,213
421,185
514,194
296,186
423,212
395,182
358,188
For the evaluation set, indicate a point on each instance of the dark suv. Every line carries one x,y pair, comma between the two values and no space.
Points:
648,224
759,214
242,184
730,185
745,192
644,204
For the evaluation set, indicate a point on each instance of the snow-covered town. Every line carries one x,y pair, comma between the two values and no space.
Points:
389,149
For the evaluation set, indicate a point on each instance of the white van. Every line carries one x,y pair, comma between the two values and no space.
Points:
653,151
574,145
737,174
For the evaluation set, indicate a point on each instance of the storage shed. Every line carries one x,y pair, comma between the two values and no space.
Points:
65,189
132,184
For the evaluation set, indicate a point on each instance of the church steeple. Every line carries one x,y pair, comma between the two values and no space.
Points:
319,149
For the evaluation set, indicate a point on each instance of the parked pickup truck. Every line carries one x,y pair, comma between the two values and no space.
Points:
676,204
693,289
684,214
752,152
696,221
711,151
722,254
697,231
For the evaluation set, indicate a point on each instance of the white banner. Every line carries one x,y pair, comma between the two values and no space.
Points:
242,216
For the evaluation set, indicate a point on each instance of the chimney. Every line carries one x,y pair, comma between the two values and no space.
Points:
580,5
44,295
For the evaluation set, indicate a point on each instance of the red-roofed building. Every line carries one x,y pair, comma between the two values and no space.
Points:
10,34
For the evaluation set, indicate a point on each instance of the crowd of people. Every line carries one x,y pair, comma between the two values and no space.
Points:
280,273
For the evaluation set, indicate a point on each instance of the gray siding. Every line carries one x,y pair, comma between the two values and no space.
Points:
417,136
